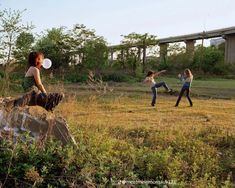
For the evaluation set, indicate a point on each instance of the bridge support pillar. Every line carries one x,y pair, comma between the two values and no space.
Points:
163,51
190,49
139,53
144,59
111,56
190,46
229,54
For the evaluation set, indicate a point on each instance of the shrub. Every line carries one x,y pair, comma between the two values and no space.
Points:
207,58
221,69
74,77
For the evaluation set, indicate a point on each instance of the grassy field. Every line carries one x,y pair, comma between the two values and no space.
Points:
210,88
193,146
121,137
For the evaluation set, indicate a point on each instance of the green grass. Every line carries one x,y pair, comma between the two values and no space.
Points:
120,137
194,146
217,87
210,88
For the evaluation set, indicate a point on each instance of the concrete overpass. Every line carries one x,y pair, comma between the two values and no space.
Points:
227,33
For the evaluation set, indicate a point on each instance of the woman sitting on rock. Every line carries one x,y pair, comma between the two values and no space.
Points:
35,93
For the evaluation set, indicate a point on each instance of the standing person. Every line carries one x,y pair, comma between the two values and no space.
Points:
187,79
154,86
35,93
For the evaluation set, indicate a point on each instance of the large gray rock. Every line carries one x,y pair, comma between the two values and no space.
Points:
38,126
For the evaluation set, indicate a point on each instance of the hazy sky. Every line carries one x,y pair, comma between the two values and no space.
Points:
112,18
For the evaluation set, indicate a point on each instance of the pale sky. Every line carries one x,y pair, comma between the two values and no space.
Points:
112,18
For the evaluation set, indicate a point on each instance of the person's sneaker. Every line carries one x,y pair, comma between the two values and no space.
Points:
176,105
152,105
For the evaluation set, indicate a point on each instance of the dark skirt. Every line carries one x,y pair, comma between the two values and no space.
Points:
35,98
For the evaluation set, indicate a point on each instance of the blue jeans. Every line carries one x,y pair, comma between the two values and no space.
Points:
187,90
154,90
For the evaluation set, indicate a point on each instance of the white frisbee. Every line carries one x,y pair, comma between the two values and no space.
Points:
46,63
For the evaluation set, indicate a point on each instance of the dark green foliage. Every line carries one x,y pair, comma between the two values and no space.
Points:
24,45
222,69
116,77
207,58
95,54
53,46
75,77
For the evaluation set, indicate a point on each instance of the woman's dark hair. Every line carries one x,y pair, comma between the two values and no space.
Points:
32,58
150,73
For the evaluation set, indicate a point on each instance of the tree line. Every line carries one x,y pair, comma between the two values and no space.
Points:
81,49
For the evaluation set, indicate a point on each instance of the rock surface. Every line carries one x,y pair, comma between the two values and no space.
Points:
38,125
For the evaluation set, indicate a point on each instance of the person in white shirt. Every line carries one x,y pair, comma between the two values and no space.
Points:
150,79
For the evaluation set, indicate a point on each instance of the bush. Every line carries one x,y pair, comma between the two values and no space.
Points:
221,69
207,58
1,74
74,78
116,77
16,76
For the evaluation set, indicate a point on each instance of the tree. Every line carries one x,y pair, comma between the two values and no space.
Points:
211,57
24,45
90,49
10,28
142,41
95,53
72,47
177,59
53,45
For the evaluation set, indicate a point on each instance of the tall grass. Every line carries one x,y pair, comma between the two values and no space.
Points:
121,138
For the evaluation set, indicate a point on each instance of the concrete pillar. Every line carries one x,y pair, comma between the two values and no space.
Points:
229,54
163,51
190,47
122,55
139,53
122,58
111,56
144,58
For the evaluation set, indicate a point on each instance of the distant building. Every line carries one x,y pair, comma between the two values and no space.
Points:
217,41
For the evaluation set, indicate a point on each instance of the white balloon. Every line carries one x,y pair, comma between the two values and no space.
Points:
46,63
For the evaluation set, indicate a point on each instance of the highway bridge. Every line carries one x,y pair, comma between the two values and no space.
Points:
227,33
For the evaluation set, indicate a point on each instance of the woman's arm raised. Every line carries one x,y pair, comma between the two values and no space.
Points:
158,73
